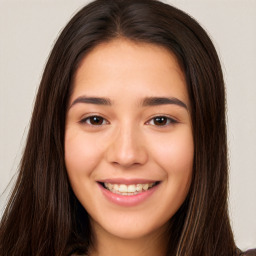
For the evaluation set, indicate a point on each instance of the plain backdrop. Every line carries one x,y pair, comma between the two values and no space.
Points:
28,29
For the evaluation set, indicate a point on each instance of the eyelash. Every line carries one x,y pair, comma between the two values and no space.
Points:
162,118
89,118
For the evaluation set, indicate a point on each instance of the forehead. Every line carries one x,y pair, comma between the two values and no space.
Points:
121,52
124,66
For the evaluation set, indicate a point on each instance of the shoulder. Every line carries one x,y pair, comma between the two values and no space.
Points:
251,252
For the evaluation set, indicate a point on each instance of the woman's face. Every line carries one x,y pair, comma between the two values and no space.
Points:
128,139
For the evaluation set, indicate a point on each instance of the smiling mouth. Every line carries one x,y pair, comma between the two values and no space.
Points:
128,190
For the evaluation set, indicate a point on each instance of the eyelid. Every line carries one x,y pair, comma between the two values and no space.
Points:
171,120
87,117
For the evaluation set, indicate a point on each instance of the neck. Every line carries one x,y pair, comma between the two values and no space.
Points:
106,244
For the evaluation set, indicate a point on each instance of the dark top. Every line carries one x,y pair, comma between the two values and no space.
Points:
249,253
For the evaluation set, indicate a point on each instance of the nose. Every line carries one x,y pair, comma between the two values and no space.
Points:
127,148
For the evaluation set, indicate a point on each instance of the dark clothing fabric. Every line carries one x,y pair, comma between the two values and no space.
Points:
249,253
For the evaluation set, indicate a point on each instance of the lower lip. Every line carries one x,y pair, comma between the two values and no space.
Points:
131,200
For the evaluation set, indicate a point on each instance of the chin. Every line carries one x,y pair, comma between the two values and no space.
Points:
126,227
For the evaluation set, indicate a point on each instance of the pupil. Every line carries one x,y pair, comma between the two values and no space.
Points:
96,120
160,120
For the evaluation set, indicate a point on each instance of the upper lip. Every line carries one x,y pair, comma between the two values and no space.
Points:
126,181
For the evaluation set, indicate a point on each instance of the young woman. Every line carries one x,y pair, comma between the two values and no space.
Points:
126,152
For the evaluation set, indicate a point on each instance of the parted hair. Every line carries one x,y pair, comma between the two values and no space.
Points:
43,216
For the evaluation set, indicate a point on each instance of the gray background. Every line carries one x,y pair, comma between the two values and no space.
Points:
28,29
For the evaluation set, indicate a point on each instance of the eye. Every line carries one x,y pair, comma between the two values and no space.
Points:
161,121
94,120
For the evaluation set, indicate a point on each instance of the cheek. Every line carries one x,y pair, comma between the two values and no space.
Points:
175,154
81,154
176,158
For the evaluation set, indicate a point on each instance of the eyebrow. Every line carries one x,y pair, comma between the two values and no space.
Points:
92,100
148,101
155,101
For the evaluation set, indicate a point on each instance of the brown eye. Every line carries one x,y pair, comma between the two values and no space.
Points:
94,120
161,121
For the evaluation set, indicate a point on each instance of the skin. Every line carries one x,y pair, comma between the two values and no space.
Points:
129,143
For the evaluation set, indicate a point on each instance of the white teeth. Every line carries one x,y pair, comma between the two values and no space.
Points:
110,186
131,188
128,189
145,186
122,188
139,187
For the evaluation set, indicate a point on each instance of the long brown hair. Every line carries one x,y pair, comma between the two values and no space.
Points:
43,217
